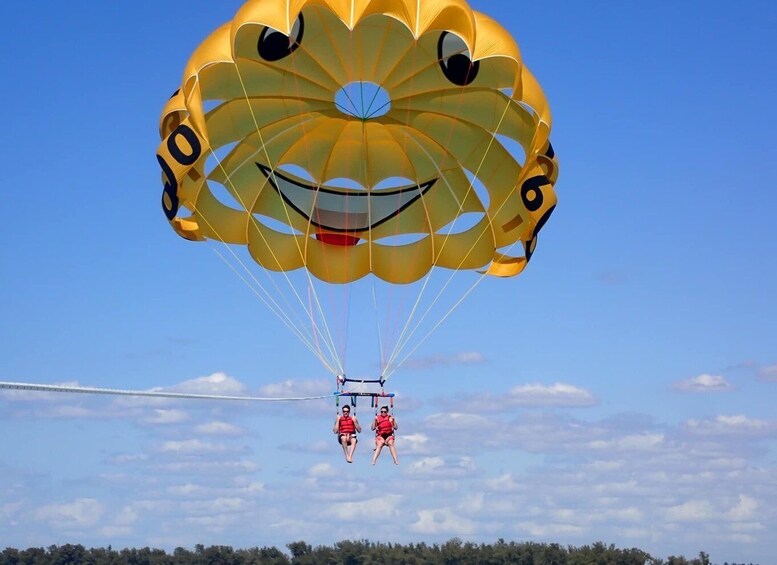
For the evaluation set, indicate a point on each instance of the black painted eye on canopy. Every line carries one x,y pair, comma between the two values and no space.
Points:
455,60
274,45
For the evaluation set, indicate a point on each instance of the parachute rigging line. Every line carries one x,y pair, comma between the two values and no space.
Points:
276,309
267,299
405,337
326,335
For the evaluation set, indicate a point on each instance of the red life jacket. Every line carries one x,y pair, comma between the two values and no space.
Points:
346,425
384,425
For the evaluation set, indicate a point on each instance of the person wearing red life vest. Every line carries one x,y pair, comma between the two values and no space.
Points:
384,426
346,428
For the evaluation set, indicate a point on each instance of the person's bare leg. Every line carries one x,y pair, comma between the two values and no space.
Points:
393,451
344,443
379,443
349,456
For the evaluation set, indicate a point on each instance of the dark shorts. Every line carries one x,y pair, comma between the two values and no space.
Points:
340,437
386,437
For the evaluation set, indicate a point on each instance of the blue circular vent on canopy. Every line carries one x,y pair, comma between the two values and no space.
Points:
363,100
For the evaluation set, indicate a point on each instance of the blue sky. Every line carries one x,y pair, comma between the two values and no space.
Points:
622,389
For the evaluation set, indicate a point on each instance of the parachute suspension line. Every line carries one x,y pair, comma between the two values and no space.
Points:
312,291
326,334
273,306
268,300
385,364
402,344
278,311
380,334
437,325
150,393
405,337
298,325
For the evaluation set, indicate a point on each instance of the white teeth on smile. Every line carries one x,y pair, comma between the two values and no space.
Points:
343,210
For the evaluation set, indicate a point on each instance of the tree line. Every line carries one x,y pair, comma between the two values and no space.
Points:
362,552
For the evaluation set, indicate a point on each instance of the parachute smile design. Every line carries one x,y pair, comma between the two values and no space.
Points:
342,210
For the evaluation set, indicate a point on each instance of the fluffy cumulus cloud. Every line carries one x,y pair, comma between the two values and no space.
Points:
737,425
373,510
217,428
691,511
442,521
439,467
216,384
703,383
526,395
75,515
191,446
169,416
414,443
557,394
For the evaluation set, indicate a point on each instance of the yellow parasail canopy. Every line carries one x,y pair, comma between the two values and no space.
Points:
351,137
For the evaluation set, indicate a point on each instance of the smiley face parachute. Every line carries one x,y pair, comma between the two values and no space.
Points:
347,138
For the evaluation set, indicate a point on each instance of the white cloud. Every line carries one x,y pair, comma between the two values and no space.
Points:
604,465
249,488
322,470
427,465
225,468
217,384
125,458
551,530
114,531
371,510
442,521
462,358
216,522
413,443
440,468
189,446
505,483
744,510
219,428
691,511
81,513
527,395
455,421
295,388
66,411
126,516
703,383
162,416
219,505
187,489
636,442
557,394
472,503
7,512
731,425
768,373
